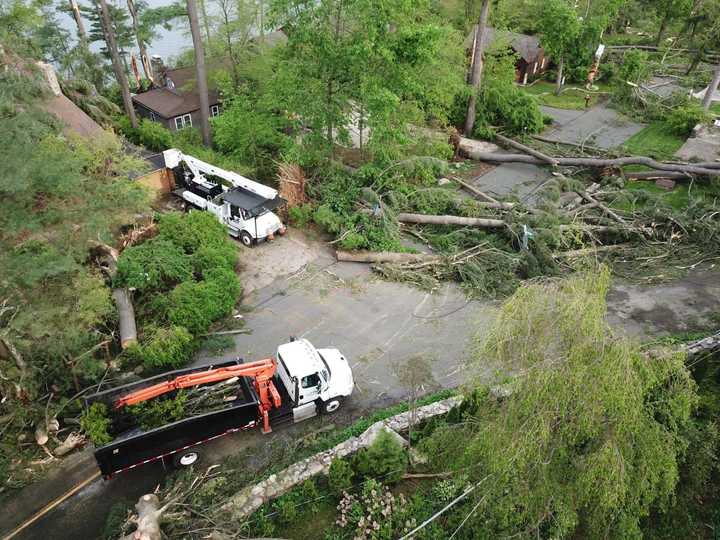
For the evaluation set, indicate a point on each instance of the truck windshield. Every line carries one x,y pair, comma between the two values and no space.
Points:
326,364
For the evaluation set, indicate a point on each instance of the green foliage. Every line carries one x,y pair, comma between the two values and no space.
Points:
193,231
636,69
683,119
196,305
501,102
163,348
154,264
385,459
159,412
301,215
116,518
340,476
589,415
95,424
152,135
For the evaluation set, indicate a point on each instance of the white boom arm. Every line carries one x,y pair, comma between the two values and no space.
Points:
174,157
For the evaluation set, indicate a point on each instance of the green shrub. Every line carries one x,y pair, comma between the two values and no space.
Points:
508,106
193,231
328,219
196,305
301,215
683,119
95,424
151,135
153,264
116,518
385,459
164,348
340,476
218,256
158,412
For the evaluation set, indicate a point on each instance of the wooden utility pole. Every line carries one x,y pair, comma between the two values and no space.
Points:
476,67
200,71
711,89
120,73
141,43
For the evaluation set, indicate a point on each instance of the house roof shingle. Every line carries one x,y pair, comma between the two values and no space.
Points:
528,47
168,103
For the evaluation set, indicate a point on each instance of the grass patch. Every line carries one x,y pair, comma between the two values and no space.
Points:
570,98
677,198
657,141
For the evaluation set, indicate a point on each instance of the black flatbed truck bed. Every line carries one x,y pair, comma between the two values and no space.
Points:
134,447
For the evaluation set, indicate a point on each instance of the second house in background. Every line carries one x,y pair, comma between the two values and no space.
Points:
175,102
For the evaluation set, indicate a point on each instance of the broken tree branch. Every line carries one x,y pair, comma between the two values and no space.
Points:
602,207
518,146
597,162
450,220
384,257
487,200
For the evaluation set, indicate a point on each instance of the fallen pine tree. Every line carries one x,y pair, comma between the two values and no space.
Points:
450,220
701,169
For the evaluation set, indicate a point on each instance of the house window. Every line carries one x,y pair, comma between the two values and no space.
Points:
153,116
215,110
183,121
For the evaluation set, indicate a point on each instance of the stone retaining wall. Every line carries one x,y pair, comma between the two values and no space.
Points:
249,499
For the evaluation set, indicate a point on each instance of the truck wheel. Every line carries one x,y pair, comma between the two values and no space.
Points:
246,239
186,458
331,405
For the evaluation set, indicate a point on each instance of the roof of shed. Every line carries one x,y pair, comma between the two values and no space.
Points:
168,103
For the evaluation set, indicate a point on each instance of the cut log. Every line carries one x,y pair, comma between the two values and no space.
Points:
602,207
148,519
126,312
708,345
597,162
487,200
451,220
72,441
384,257
518,146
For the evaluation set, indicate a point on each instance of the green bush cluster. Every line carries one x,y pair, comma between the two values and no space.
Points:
95,424
151,135
384,459
189,268
516,111
683,119
154,264
163,348
340,476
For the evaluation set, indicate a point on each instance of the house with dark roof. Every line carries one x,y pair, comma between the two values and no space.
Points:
532,60
175,103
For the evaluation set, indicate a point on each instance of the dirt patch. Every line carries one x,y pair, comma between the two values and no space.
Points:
264,263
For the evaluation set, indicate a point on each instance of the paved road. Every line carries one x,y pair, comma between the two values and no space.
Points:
376,324
598,126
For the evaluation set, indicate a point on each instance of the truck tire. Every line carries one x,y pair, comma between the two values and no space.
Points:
331,405
246,239
186,458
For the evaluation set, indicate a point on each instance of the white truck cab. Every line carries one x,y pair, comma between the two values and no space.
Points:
316,379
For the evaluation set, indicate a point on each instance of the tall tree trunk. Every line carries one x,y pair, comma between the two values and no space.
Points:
477,67
120,73
200,71
82,34
141,43
560,72
229,46
206,21
661,30
710,92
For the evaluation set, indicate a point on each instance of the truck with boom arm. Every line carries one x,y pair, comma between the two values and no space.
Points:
244,206
300,382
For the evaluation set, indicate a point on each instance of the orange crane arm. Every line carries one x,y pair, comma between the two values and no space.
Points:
261,371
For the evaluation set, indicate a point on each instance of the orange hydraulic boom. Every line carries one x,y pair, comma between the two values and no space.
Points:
261,372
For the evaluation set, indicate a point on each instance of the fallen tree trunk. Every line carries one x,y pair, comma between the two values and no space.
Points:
451,220
568,143
518,146
590,251
708,345
148,518
597,162
126,312
487,200
384,257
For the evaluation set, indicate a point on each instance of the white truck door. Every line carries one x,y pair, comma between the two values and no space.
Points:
310,387
285,378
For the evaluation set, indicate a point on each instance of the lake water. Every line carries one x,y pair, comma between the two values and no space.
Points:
169,43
